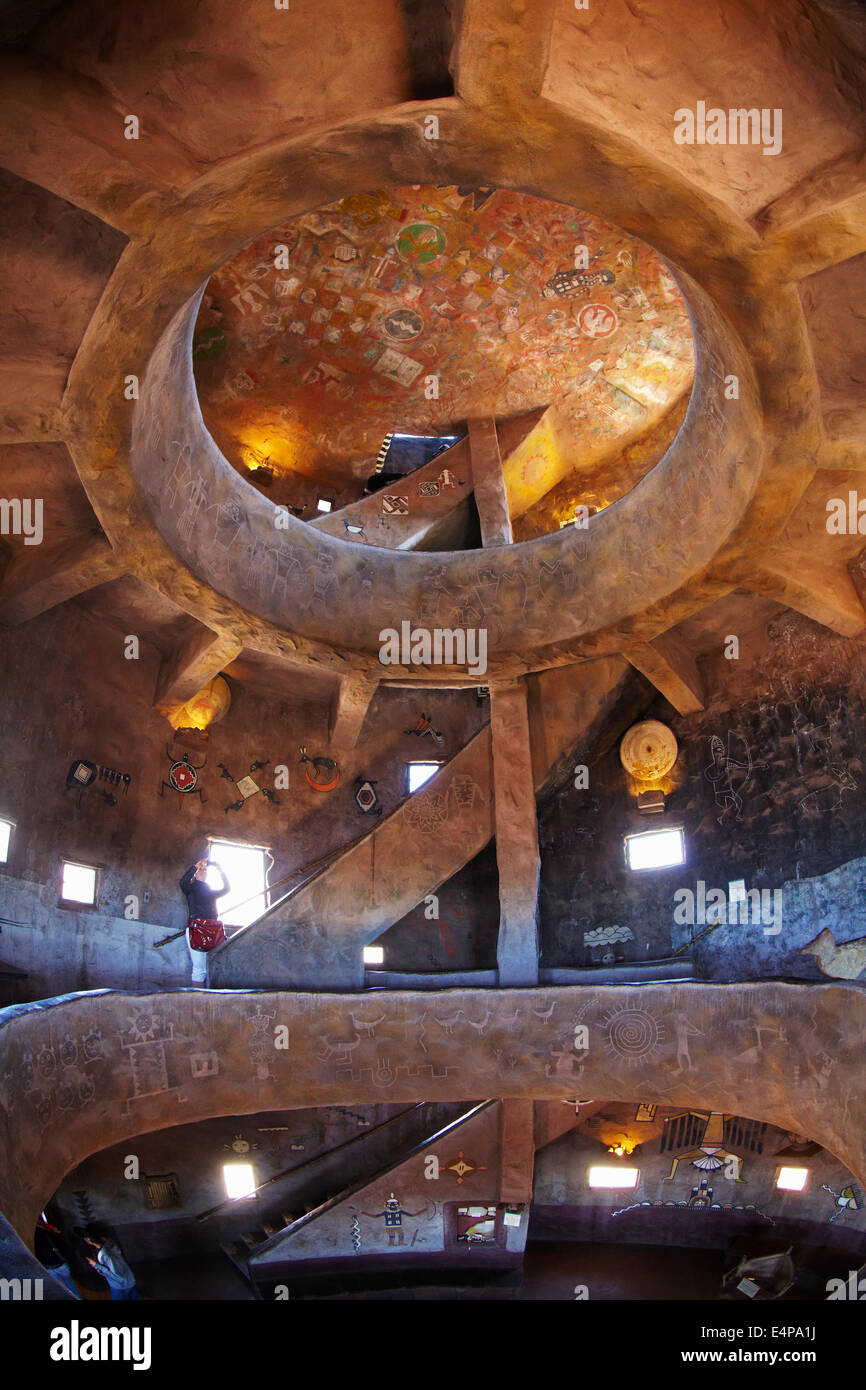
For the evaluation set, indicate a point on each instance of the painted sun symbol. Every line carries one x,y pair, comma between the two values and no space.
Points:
632,1034
240,1145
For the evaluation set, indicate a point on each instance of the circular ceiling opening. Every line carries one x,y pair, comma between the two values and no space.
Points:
408,311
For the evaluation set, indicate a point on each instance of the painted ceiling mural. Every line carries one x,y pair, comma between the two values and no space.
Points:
414,309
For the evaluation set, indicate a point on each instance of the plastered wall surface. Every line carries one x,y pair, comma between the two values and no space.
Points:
768,789
85,1072
563,1199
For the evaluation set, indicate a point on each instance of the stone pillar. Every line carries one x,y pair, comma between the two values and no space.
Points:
489,483
516,826
516,1150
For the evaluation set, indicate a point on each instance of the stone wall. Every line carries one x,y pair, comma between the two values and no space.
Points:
96,705
643,1214
85,1072
768,788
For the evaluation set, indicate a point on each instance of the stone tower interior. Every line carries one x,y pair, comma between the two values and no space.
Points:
432,439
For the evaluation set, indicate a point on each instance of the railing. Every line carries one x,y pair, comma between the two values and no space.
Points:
361,1183
308,1162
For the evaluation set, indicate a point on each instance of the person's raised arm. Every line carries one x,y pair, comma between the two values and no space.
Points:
187,880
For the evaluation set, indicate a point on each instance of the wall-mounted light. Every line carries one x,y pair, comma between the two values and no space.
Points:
373,955
648,750
206,707
324,505
623,1148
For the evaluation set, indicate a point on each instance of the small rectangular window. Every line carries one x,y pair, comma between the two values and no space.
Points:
6,828
78,884
792,1179
655,849
610,1176
246,870
419,773
374,955
240,1180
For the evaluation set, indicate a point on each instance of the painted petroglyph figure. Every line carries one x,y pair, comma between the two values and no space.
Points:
729,776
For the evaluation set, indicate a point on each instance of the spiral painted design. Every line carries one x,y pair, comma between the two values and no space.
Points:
633,1033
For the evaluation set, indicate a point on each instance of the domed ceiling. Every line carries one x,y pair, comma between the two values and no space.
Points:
415,309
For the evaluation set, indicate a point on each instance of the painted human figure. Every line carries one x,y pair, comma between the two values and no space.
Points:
393,1214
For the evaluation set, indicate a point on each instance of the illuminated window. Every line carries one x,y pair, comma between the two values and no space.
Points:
374,955
792,1179
419,773
246,871
6,828
608,1175
655,849
323,505
240,1180
78,884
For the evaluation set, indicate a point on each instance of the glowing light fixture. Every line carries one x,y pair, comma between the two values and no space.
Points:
206,707
374,955
623,1148
323,505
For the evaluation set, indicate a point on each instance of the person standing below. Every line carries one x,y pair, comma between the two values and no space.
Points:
115,1271
47,1248
204,929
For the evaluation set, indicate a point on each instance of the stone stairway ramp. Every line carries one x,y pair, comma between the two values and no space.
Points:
316,940
283,1198
250,1247
431,520
438,499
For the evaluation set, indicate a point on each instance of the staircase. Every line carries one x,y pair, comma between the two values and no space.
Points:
315,1187
312,939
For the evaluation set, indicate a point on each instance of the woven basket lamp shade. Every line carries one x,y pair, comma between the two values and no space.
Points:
648,751
206,707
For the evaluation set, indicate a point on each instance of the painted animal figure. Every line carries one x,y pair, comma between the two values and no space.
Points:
325,774
479,1027
448,1024
369,1028
830,798
844,962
